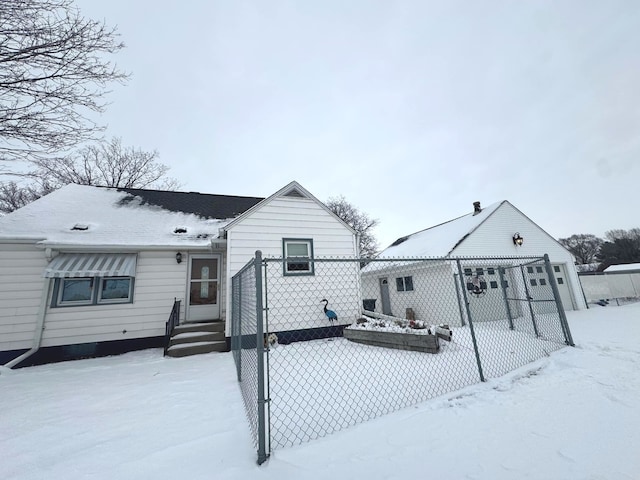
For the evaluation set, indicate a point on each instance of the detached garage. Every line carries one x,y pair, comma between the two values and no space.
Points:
488,234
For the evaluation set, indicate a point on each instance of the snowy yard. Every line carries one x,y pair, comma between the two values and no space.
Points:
572,415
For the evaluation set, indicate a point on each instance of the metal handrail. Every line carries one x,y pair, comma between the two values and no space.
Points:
172,323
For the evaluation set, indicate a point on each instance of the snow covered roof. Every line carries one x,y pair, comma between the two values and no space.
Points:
95,216
623,268
439,240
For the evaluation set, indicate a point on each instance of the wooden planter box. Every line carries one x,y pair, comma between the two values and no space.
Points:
399,341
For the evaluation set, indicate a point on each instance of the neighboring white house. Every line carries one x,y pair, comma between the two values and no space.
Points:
615,282
96,270
431,288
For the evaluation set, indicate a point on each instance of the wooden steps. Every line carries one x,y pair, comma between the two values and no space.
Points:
197,338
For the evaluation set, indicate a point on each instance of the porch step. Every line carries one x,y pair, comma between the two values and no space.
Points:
199,327
195,348
196,338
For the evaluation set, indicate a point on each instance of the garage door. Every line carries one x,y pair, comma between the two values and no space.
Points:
537,284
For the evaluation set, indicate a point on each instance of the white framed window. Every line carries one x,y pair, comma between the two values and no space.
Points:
404,284
70,292
298,256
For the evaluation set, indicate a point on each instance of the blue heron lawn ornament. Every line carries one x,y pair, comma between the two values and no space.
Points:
331,315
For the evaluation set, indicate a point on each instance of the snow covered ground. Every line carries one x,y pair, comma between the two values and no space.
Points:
572,415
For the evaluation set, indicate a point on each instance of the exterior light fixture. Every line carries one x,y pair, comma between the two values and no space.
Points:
179,257
517,239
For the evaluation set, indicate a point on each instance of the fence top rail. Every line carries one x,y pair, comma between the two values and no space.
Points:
526,260
248,265
626,272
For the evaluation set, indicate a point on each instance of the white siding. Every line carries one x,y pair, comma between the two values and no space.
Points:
282,217
433,299
159,279
21,284
494,238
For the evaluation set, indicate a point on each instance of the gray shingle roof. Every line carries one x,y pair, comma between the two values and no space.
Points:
202,204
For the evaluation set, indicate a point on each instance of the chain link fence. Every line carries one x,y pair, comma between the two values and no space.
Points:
354,339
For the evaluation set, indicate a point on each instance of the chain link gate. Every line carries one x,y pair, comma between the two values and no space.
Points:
360,338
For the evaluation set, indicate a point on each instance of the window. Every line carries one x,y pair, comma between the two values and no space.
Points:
479,271
76,291
491,271
533,282
468,271
556,268
297,253
542,281
560,281
92,291
114,290
493,284
539,269
529,269
404,284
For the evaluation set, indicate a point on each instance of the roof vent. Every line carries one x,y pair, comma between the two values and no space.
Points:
476,208
80,226
295,193
180,230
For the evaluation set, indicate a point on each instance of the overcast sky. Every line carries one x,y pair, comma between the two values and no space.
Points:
412,110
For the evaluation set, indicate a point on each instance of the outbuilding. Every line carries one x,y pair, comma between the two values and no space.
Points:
427,282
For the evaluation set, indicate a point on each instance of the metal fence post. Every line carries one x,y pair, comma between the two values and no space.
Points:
239,327
556,293
503,287
473,334
262,430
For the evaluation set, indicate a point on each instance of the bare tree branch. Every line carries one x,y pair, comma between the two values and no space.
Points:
53,72
583,246
107,165
359,221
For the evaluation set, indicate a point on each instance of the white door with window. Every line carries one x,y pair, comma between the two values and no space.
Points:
203,295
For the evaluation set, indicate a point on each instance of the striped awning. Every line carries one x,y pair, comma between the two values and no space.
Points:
92,265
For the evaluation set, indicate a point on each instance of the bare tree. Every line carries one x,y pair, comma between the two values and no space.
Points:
107,165
359,221
622,246
583,246
13,196
53,72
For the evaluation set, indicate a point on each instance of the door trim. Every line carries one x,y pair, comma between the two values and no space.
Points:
217,310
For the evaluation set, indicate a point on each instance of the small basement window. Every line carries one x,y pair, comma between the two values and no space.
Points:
298,253
404,284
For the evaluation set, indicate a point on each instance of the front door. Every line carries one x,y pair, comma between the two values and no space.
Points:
384,296
204,292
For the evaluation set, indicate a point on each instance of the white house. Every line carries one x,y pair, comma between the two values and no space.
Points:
91,270
432,290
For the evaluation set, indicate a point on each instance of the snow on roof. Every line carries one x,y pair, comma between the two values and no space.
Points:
622,268
440,240
112,217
